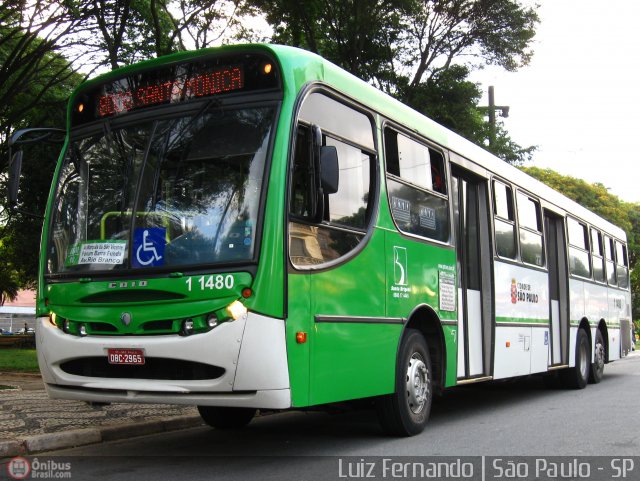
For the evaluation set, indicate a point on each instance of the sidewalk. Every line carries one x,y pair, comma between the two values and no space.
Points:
30,422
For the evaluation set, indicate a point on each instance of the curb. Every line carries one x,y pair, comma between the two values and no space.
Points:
81,437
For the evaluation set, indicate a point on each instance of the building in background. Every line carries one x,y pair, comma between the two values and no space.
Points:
20,313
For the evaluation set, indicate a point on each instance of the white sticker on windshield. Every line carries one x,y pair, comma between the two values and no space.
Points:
97,252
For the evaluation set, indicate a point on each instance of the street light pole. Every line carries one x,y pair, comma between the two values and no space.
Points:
492,116
504,112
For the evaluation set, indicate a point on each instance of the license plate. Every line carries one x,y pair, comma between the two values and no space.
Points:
125,356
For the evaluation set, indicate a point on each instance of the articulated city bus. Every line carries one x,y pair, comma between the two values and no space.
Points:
251,227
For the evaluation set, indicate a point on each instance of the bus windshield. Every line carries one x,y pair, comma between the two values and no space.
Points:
183,191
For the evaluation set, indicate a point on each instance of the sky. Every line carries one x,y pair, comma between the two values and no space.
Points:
579,98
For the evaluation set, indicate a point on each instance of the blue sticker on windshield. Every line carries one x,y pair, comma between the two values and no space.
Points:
148,247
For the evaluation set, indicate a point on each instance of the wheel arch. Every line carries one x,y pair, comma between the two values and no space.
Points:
425,319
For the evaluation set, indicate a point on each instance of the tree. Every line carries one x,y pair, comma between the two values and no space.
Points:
9,277
420,51
36,83
361,36
128,31
32,39
440,33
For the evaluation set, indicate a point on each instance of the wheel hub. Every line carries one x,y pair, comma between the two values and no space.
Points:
599,356
417,383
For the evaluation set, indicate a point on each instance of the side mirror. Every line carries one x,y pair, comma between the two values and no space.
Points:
14,177
326,163
329,170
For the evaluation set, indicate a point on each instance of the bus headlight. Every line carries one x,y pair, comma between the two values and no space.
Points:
236,310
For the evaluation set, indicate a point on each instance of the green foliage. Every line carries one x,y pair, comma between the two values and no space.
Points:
594,197
36,82
122,32
451,100
419,51
358,35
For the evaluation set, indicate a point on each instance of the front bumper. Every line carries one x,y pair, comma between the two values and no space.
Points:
251,352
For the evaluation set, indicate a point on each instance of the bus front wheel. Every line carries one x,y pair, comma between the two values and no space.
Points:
578,376
226,417
406,411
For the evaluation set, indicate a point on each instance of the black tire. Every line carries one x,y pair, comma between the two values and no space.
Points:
226,418
406,411
599,357
577,377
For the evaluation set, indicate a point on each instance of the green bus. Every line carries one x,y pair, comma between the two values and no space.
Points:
251,227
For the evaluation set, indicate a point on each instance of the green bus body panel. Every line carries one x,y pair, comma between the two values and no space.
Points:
162,299
451,335
354,315
299,320
352,359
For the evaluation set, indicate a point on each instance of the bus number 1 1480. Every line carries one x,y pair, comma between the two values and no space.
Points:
211,282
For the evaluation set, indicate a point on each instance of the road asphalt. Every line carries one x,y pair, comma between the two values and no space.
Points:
31,423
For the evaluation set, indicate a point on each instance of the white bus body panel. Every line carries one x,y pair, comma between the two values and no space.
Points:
522,297
254,344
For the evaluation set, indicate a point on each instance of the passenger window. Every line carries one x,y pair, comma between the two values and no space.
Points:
417,187
324,227
504,220
502,201
622,265
612,279
597,256
529,219
579,255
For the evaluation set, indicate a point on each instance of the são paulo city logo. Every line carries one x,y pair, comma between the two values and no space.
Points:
521,292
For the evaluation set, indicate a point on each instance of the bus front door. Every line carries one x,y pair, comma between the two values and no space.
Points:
475,333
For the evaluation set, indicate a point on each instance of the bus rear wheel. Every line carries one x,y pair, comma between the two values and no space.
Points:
406,411
226,417
577,377
599,357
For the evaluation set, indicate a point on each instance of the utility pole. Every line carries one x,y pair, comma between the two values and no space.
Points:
504,112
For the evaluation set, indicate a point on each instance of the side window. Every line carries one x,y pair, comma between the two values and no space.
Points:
597,256
612,279
504,220
622,265
530,229
323,226
417,189
579,262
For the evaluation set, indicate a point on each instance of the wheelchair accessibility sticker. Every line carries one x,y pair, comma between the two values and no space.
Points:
148,247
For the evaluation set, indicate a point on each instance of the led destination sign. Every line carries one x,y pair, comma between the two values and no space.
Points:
202,85
175,83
